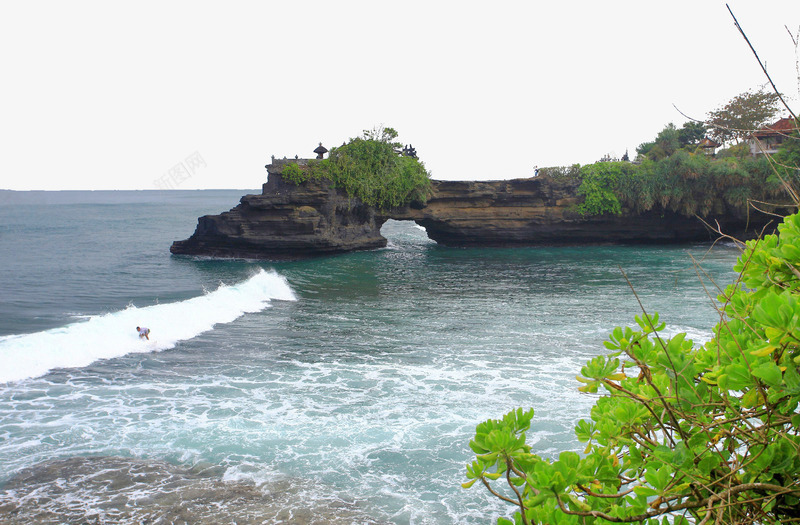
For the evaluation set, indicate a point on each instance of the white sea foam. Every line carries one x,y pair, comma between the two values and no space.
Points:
114,335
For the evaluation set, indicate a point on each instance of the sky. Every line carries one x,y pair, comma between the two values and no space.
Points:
107,95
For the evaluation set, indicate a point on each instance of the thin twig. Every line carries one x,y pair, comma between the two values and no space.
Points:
763,68
767,487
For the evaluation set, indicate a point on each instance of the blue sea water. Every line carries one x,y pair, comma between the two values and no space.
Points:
336,390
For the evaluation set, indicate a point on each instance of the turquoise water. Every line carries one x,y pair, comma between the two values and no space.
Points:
342,389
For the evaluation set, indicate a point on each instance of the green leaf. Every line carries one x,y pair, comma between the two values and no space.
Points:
584,430
689,417
769,373
738,377
792,380
764,350
581,505
784,458
642,490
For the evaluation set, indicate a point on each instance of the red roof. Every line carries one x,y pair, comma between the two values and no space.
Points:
708,143
783,127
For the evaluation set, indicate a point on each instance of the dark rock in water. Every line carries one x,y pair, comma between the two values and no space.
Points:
106,490
287,221
313,218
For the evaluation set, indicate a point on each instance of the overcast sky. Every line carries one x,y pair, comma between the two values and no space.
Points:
150,94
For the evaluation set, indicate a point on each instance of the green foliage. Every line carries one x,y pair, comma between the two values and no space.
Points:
742,115
294,173
691,133
787,158
369,168
382,134
598,182
738,151
562,173
706,432
667,139
671,139
674,175
685,183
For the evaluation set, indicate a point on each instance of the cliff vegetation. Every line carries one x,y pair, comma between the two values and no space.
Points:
679,170
370,168
686,183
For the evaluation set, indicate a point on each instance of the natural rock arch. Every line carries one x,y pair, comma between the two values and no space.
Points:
289,221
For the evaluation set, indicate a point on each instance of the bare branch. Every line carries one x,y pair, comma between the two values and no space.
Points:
766,487
794,40
763,67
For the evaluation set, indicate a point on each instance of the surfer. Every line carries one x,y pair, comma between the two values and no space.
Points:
143,332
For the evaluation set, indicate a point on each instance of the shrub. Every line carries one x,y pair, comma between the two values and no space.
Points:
371,170
294,173
562,173
685,183
599,184
707,431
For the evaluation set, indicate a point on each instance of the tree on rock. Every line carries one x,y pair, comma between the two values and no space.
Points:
742,115
370,168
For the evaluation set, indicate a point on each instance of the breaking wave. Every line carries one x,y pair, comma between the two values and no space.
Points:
113,335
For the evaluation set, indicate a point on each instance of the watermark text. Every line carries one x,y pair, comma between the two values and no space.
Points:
180,173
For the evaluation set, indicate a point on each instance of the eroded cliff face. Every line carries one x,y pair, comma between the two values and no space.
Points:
285,222
289,221
542,211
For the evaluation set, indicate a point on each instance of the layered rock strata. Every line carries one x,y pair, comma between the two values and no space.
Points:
290,221
287,221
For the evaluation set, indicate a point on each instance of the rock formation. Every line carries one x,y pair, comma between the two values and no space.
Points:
289,221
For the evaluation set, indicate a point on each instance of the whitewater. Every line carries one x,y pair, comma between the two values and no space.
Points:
336,390
114,335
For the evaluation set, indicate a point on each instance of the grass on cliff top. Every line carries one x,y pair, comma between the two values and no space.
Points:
684,183
370,169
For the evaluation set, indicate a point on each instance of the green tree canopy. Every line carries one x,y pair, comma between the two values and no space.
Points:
691,133
381,134
742,115
665,144
371,169
671,139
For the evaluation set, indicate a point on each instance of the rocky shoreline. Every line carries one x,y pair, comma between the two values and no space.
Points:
288,221
109,489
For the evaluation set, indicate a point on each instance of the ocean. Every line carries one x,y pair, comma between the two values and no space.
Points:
342,389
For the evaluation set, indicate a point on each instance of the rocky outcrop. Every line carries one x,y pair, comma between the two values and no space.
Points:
287,221
290,221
